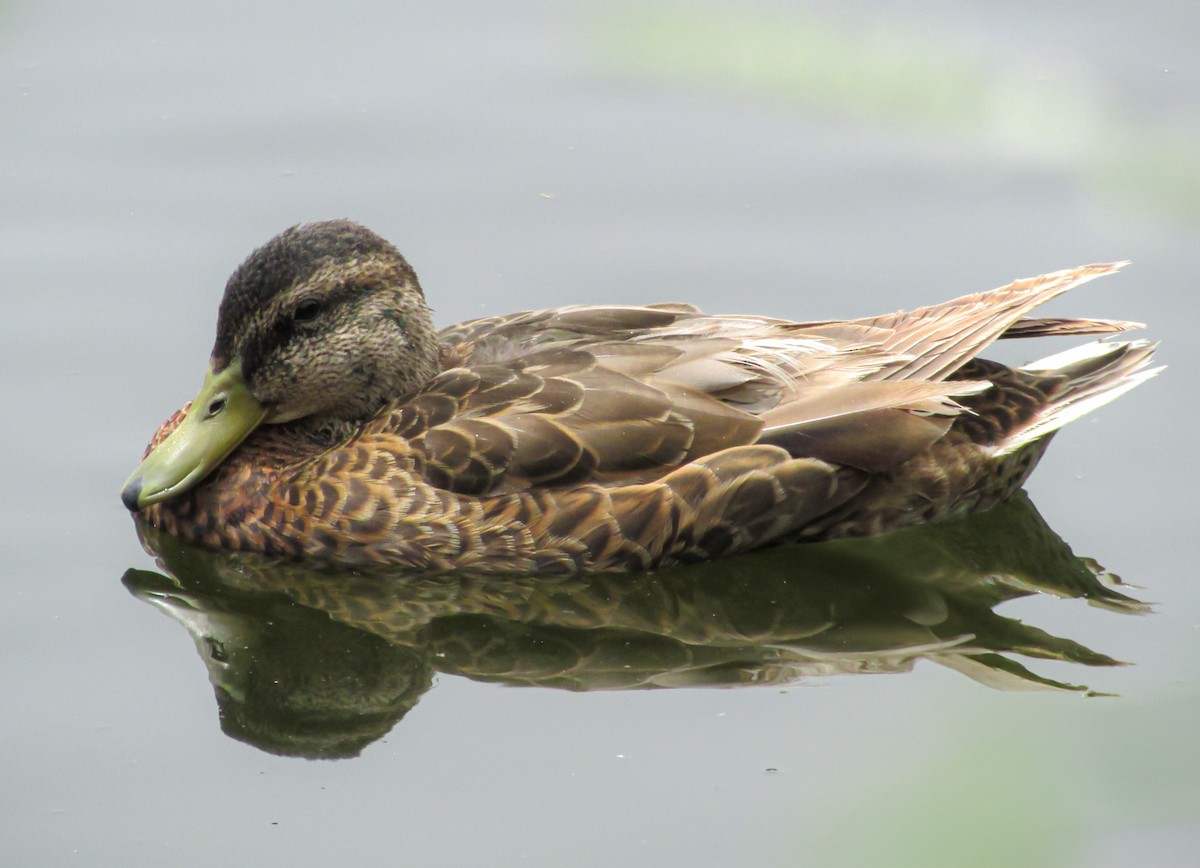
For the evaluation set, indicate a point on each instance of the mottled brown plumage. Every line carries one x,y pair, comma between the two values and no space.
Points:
604,437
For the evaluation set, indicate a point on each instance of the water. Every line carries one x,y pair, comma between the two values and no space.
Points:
803,160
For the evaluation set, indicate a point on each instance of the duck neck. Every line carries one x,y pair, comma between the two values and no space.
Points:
324,431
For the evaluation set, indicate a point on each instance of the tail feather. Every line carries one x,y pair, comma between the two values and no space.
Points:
935,341
1041,327
1080,380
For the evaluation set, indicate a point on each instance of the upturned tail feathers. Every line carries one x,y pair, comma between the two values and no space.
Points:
1078,381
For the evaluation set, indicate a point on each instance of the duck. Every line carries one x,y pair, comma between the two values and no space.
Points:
336,424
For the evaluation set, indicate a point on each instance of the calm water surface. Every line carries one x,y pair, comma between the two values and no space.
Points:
806,160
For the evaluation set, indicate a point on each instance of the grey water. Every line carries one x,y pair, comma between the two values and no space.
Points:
806,160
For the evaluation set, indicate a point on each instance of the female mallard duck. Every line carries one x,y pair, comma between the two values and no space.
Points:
335,422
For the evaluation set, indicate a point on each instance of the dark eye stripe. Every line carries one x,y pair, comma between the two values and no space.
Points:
287,323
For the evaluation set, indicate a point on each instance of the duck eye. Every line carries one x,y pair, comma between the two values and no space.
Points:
306,310
216,650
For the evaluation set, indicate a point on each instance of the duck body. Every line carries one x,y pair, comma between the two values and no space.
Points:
336,424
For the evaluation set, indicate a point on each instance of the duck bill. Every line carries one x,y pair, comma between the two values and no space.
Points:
221,417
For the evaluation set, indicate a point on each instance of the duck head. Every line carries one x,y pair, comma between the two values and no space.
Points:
325,323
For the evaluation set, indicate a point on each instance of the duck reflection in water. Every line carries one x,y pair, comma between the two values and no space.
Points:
320,663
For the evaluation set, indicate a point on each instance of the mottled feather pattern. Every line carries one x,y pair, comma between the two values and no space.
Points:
623,438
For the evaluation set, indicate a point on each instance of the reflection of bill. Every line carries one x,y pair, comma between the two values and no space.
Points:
318,663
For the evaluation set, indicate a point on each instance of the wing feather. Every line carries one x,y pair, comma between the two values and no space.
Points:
625,394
